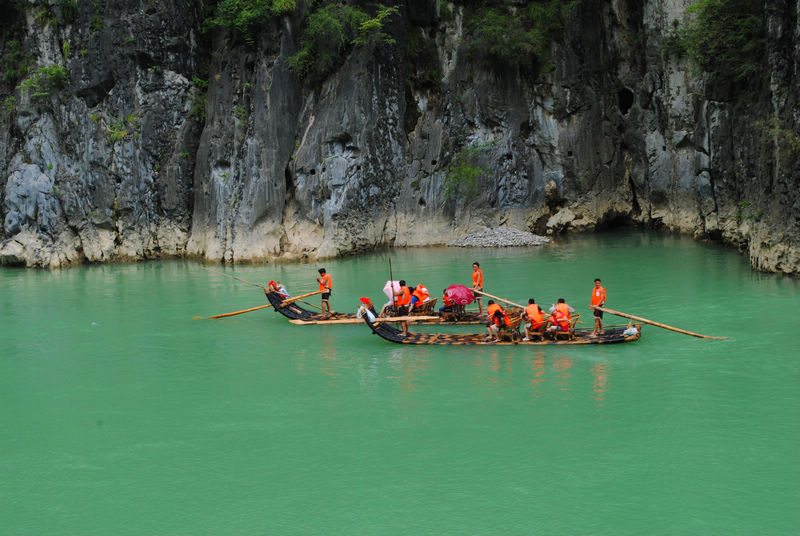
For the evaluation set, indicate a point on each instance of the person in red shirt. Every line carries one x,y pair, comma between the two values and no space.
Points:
477,284
448,303
279,288
325,285
598,300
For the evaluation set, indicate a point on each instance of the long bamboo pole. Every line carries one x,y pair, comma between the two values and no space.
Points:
657,324
419,318
293,299
233,313
234,277
496,298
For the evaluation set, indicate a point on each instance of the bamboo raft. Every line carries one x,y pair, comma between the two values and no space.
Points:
610,335
301,316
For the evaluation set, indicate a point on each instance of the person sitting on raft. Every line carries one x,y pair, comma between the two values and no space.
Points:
368,304
279,288
560,317
534,317
418,295
497,319
448,303
402,301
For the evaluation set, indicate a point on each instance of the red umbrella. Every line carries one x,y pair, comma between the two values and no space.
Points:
460,294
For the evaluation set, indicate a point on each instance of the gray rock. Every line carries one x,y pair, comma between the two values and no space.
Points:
500,237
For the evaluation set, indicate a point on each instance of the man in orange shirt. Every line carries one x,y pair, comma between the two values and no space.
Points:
326,285
403,301
598,300
477,284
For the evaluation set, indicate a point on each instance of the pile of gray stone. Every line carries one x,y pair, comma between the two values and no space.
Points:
500,237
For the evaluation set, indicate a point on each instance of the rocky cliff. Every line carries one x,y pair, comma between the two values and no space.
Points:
149,137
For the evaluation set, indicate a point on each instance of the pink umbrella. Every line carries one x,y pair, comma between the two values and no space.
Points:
460,294
387,288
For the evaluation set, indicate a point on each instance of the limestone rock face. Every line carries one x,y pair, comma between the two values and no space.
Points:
166,140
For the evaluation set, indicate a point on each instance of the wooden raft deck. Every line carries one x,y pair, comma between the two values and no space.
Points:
611,335
303,317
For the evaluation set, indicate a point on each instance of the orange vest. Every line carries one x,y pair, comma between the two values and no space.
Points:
535,316
477,278
325,282
492,309
560,319
447,301
405,296
564,309
421,293
598,295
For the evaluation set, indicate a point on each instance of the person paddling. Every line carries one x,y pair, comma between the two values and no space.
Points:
477,284
325,285
403,302
598,300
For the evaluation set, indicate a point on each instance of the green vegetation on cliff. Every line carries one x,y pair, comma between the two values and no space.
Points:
329,29
516,33
464,171
247,16
722,37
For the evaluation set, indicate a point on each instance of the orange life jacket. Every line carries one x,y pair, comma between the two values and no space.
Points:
560,319
325,282
477,278
492,309
421,293
564,309
598,295
447,301
535,316
405,296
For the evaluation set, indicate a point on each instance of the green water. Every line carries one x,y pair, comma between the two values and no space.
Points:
120,414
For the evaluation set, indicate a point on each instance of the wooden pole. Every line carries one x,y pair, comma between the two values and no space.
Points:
657,324
234,277
233,313
293,299
500,299
419,318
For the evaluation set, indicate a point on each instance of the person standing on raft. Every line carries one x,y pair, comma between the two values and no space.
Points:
325,285
477,284
598,300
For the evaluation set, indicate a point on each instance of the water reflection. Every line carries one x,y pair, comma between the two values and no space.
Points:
410,366
567,376
599,387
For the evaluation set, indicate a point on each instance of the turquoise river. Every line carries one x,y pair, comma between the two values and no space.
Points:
120,414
